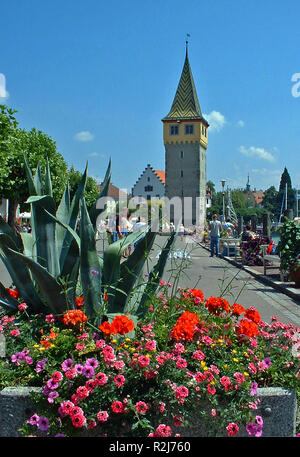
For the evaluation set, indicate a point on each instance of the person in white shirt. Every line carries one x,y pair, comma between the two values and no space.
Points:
215,228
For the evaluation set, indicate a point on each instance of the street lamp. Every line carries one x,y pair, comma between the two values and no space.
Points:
223,185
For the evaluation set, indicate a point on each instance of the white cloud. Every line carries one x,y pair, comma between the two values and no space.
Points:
259,153
216,121
3,92
97,154
84,136
241,123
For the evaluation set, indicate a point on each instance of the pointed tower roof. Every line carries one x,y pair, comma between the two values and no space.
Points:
185,104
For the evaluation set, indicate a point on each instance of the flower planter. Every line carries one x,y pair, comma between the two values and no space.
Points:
277,407
295,276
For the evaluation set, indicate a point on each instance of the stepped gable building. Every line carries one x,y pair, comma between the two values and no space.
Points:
185,140
151,184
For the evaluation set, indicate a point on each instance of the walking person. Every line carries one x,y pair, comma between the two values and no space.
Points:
215,228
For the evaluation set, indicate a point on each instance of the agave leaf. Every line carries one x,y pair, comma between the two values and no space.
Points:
50,289
44,232
112,257
48,182
7,305
37,179
19,273
62,214
94,211
72,217
131,270
30,180
156,273
28,244
90,271
6,228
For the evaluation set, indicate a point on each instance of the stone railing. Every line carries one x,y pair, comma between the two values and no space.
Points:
278,408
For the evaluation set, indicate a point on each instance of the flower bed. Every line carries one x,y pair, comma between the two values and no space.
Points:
149,378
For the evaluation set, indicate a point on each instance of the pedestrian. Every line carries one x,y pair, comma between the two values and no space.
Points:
139,225
215,228
181,231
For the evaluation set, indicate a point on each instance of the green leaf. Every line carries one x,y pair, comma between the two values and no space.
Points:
48,182
44,232
90,270
49,288
19,274
37,179
94,211
157,272
131,270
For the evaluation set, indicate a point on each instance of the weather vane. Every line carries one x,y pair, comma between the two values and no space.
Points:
187,40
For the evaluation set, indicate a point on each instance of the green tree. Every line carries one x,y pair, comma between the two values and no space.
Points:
285,182
269,202
38,147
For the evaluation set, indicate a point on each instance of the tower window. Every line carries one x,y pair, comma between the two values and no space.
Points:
148,188
181,154
189,129
181,173
174,130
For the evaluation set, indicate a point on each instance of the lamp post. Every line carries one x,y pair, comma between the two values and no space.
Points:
223,185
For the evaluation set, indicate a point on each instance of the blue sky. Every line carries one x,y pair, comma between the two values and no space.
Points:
98,77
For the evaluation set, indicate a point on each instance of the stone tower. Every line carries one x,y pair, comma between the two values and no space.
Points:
185,140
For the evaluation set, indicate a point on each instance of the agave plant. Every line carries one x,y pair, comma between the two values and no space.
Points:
53,264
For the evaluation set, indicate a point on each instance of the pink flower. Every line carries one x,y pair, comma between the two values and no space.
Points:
141,407
239,377
162,406
143,361
150,346
198,355
49,318
181,392
178,420
211,389
118,407
119,365
200,377
82,392
15,332
78,420
163,430
181,364
57,376
119,380
101,379
102,416
179,348
22,307
232,429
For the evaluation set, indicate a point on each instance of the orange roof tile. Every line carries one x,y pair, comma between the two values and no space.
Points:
161,175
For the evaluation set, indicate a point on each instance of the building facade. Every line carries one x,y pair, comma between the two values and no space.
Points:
150,185
185,140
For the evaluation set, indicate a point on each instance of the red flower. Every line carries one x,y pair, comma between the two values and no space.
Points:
252,314
247,328
237,309
13,293
79,301
216,305
232,429
120,325
118,407
185,326
198,295
74,317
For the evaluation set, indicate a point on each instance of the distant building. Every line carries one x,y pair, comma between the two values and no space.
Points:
151,184
254,197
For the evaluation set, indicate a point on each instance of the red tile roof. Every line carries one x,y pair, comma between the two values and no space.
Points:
161,175
114,191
